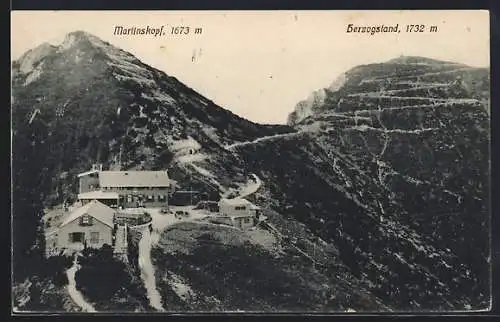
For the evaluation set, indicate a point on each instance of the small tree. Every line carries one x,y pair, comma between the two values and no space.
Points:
101,276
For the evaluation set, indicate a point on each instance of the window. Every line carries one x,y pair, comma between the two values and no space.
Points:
240,208
76,237
151,198
86,220
129,198
94,237
161,197
246,220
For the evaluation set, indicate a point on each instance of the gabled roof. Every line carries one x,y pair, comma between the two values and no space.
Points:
94,209
98,195
234,201
134,179
238,202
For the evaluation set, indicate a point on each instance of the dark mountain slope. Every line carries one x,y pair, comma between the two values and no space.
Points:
85,102
404,261
106,106
400,184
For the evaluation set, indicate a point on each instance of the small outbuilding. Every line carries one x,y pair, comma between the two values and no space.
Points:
238,212
237,207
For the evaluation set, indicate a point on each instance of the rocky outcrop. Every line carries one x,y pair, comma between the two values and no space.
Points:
306,108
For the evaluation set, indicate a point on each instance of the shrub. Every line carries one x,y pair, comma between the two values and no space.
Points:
101,276
54,268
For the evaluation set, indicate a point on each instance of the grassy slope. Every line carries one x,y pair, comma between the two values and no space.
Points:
227,271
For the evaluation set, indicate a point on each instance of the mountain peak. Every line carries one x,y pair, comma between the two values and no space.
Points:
407,79
80,33
80,36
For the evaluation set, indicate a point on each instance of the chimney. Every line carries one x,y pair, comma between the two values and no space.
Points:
97,166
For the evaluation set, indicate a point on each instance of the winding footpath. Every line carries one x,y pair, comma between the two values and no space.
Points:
148,239
76,295
263,139
251,187
148,272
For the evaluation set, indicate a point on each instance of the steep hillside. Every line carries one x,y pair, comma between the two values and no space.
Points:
399,160
85,101
88,101
210,268
386,172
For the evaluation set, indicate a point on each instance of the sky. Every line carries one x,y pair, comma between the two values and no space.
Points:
260,64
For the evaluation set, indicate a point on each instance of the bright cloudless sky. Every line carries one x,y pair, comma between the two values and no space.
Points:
260,64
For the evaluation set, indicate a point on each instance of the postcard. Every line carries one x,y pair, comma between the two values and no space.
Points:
250,162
